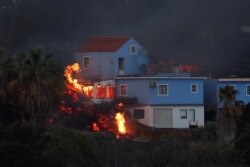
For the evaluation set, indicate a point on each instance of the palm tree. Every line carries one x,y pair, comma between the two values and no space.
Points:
227,114
8,89
41,83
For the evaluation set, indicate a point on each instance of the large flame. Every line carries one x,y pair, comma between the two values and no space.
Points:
87,90
120,120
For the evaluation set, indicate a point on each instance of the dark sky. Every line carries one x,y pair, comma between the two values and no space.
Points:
213,34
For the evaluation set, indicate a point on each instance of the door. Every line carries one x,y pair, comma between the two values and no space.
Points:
162,117
121,66
191,115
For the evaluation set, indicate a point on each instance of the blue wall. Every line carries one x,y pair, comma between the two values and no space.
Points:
240,86
105,64
133,62
179,90
210,91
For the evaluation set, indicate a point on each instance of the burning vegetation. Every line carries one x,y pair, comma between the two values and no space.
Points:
77,104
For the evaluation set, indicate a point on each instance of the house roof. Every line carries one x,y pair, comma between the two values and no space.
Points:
160,78
103,44
234,79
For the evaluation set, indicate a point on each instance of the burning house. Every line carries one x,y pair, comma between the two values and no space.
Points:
117,67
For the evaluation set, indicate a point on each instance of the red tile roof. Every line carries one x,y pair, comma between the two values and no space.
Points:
103,44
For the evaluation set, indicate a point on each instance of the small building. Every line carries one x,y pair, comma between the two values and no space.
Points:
102,58
164,102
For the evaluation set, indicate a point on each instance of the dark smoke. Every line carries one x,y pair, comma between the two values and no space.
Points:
214,35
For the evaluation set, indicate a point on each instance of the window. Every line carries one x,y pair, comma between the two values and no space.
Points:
138,114
163,90
248,90
123,90
183,113
194,88
132,49
86,62
110,92
121,63
100,92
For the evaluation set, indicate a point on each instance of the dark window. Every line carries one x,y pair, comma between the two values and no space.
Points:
183,113
138,114
163,90
86,62
194,88
121,63
133,49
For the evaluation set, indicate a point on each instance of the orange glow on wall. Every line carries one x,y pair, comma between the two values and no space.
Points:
100,92
110,92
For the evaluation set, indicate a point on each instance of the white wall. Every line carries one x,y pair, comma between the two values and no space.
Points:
177,121
148,115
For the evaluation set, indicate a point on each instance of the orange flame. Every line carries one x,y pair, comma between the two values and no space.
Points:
120,120
87,90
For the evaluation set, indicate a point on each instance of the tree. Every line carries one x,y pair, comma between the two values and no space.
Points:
9,89
228,114
32,85
42,82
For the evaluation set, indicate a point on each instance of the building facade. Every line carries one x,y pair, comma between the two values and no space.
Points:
102,58
164,102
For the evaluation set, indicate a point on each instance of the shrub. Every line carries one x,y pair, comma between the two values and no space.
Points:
34,146
22,145
69,147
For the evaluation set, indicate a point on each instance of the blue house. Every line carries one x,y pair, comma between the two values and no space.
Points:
164,102
242,85
102,58
118,67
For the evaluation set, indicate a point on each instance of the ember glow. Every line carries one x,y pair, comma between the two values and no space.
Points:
87,90
120,121
95,127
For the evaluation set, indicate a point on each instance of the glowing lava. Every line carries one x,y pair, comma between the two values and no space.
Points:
95,127
120,120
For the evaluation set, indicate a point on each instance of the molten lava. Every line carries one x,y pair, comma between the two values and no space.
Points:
120,121
73,101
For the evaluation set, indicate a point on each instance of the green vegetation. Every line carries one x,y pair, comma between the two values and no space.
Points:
228,115
31,87
35,146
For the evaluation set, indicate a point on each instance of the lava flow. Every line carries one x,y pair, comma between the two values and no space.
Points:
74,103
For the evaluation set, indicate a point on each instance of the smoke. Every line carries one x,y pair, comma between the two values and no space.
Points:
245,29
210,34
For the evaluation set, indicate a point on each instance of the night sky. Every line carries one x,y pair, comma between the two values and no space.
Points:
212,34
